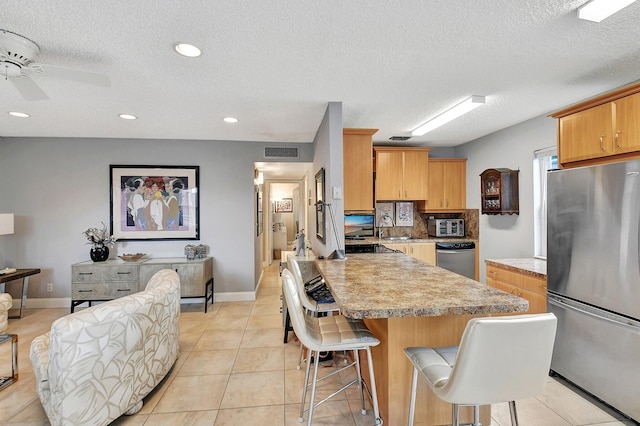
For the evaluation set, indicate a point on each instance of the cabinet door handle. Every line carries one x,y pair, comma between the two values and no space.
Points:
85,291
617,138
124,273
124,289
85,273
602,143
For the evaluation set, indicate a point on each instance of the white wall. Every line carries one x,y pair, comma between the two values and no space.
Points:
57,188
507,236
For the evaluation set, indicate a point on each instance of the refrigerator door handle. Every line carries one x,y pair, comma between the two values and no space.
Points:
558,302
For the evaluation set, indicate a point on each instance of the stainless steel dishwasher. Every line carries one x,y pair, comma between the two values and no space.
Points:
458,257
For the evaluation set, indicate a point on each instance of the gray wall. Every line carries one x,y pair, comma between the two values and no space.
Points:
328,154
57,188
507,236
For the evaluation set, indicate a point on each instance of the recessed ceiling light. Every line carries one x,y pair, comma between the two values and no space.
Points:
230,120
19,114
128,116
186,49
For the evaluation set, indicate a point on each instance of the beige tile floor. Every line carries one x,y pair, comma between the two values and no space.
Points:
234,369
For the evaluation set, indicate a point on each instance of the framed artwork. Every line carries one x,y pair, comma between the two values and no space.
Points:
404,213
384,215
154,202
284,206
320,207
258,213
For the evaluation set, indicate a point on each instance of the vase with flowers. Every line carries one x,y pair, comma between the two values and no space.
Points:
100,241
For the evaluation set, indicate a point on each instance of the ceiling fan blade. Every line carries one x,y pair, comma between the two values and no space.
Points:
29,89
86,77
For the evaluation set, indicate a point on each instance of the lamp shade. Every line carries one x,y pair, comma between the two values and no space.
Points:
6,223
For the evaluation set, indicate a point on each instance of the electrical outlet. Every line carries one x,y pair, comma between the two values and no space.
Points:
50,287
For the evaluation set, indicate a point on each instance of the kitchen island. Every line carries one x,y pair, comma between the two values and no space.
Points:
406,302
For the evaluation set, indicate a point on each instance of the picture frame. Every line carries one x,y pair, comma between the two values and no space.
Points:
284,206
404,213
320,206
154,202
384,215
258,213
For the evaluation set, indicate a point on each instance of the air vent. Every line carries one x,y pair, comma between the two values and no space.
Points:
280,152
399,138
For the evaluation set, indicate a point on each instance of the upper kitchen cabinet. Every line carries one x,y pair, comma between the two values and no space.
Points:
447,185
401,173
358,168
600,130
499,191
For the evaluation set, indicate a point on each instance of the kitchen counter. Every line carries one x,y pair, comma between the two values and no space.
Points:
406,302
394,285
528,266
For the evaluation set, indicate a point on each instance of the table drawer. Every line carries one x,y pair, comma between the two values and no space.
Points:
102,291
84,274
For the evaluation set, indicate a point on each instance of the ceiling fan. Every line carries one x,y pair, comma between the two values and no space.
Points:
17,55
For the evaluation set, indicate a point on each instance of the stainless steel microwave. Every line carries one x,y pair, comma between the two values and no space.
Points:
445,227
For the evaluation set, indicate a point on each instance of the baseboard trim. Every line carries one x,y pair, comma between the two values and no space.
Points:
65,302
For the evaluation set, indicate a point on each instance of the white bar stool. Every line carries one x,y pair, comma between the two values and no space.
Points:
332,333
500,359
311,307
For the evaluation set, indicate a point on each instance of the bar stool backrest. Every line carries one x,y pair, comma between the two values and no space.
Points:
305,326
308,303
501,359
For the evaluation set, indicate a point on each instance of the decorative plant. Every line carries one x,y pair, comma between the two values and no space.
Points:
99,237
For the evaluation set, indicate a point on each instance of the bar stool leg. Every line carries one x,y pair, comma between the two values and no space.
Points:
313,387
456,414
412,403
514,413
374,392
360,387
306,385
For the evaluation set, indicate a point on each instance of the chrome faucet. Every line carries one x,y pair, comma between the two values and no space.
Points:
384,216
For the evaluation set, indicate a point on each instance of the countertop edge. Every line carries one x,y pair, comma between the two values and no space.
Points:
528,266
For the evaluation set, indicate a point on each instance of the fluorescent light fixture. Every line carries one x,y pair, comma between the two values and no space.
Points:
597,10
128,117
19,114
186,49
462,108
230,120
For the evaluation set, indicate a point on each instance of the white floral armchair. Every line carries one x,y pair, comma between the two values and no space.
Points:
97,364
5,305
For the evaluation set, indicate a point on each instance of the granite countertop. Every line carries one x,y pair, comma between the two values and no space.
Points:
528,266
395,285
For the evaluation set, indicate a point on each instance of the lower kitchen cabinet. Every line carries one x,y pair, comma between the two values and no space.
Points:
529,287
421,251
101,281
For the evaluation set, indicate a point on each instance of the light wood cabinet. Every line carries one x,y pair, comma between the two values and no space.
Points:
603,129
358,169
421,251
529,287
447,185
401,173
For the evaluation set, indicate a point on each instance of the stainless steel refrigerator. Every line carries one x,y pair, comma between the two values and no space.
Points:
593,279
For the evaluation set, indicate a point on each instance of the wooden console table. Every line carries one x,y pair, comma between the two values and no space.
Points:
101,281
23,274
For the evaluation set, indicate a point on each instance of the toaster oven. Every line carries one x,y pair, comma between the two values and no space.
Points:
445,227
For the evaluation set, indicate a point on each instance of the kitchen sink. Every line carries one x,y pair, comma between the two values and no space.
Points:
397,238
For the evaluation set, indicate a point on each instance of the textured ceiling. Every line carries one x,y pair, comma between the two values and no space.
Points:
274,64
